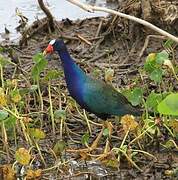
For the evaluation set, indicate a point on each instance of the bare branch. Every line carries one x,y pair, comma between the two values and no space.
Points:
48,14
90,8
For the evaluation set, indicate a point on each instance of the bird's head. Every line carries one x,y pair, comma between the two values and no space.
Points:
55,45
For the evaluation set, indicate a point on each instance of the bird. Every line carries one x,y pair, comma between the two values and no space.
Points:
93,95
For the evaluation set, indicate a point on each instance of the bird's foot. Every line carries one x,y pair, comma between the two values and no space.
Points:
86,152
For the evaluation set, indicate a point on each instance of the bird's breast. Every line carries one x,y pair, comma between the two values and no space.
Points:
75,88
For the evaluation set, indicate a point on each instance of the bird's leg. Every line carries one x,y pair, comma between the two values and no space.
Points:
106,151
95,143
109,126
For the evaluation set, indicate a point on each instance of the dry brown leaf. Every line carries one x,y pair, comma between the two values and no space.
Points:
128,122
109,74
22,156
8,173
3,98
174,125
33,174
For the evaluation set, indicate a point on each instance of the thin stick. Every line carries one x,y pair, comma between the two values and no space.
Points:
84,39
51,108
90,8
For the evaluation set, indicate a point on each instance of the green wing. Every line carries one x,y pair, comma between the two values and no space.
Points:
102,98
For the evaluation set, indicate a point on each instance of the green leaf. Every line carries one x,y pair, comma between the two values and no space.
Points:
151,123
33,88
161,57
150,63
40,64
38,57
96,72
3,115
1,49
106,132
124,148
59,147
37,133
85,138
169,144
58,114
53,74
15,95
153,100
22,156
135,96
10,121
157,75
4,60
169,106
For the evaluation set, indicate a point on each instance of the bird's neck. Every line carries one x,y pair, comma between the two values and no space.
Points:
71,70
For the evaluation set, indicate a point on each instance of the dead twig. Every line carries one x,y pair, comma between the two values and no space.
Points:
84,39
90,8
100,56
99,28
147,41
48,14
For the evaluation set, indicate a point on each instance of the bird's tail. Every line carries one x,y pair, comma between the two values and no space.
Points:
138,112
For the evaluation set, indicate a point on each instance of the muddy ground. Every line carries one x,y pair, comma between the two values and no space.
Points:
96,44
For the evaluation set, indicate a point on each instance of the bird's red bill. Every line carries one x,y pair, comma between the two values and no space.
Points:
48,50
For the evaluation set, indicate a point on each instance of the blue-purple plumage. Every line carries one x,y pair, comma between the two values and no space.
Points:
93,95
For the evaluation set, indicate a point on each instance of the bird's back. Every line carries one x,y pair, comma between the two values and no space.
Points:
103,100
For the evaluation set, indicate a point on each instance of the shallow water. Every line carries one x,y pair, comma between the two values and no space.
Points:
60,9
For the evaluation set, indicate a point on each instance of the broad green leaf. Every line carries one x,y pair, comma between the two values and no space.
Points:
161,57
40,64
58,114
85,138
150,63
38,57
134,96
15,96
3,115
53,74
153,100
10,121
169,106
156,75
4,60
59,147
106,132
37,133
22,156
